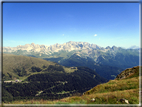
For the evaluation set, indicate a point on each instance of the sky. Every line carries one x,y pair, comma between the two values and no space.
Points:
103,24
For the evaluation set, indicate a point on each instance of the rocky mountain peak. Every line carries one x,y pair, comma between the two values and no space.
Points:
70,42
114,47
108,47
33,44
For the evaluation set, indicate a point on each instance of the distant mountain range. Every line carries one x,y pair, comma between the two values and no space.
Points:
97,58
69,46
85,48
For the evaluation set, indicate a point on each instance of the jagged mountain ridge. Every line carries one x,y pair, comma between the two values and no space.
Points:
69,46
83,49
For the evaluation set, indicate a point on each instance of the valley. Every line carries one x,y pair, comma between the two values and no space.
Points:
38,75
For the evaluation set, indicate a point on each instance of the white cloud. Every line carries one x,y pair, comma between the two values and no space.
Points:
63,35
95,35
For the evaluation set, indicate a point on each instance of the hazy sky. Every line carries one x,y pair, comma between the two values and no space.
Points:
104,24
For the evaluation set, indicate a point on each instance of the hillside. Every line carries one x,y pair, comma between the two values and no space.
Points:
15,66
118,91
114,91
41,79
106,71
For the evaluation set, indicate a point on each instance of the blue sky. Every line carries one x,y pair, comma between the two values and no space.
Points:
104,24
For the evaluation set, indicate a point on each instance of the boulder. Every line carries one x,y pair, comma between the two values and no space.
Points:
93,99
124,100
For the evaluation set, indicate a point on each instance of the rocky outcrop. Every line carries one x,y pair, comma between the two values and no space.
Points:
128,72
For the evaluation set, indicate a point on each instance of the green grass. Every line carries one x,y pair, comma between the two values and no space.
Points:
11,62
114,85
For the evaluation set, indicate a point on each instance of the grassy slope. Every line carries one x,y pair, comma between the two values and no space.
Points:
11,62
107,93
111,92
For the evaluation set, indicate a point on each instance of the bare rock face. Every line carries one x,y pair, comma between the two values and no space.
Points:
69,46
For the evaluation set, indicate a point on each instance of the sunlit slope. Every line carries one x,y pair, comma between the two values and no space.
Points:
15,66
114,90
127,82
